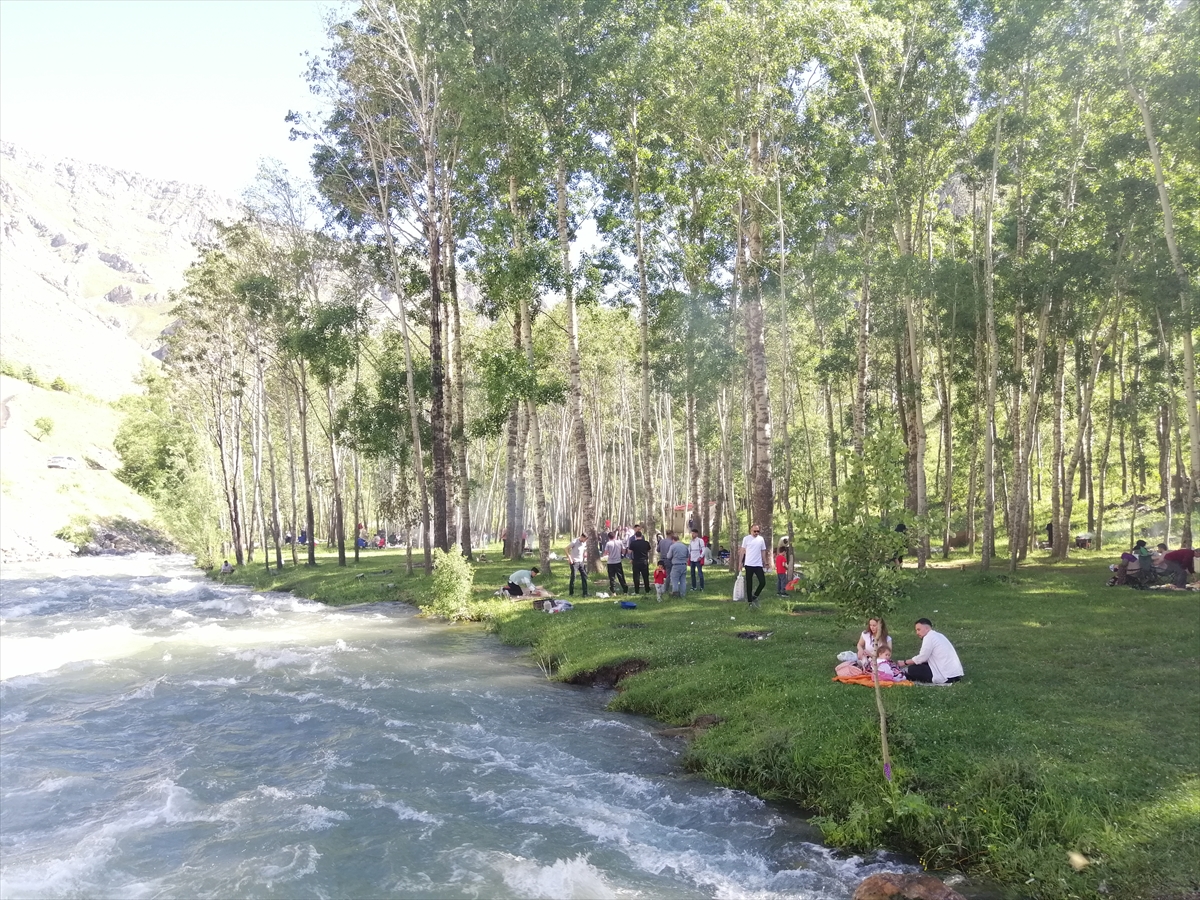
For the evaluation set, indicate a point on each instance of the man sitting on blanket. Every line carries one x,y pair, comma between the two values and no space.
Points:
937,663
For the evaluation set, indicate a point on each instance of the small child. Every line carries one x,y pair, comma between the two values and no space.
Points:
660,580
888,670
781,570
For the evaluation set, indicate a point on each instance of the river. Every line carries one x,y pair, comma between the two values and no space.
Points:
165,736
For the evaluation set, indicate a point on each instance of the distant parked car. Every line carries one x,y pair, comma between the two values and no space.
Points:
62,462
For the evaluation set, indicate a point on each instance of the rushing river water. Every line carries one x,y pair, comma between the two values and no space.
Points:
165,736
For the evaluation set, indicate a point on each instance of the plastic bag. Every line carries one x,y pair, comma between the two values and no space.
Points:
847,656
739,587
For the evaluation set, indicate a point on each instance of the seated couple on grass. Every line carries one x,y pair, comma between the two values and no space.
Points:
935,663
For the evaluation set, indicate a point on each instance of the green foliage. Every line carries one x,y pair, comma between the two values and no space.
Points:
450,586
328,341
156,447
161,460
876,487
77,532
43,426
30,375
854,566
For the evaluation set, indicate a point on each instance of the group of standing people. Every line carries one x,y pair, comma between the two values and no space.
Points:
677,558
674,559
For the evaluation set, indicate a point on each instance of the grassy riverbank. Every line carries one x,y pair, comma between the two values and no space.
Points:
1077,729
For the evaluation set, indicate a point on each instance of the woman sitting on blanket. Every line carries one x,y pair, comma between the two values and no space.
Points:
875,635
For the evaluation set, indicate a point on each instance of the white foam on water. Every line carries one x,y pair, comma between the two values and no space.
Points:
145,692
32,655
318,818
265,660
57,784
275,793
177,585
88,848
295,862
234,606
406,813
25,609
563,879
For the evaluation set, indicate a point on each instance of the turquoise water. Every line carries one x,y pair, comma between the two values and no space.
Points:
164,736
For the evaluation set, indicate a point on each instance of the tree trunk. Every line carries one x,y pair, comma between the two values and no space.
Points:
458,432
512,527
989,293
1186,307
583,471
763,489
414,422
1058,484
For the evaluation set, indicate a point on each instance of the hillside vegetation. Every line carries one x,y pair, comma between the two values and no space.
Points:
39,501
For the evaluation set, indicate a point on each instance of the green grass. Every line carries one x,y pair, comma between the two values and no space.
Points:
1077,728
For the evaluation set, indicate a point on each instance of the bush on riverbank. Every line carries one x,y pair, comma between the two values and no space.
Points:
1075,730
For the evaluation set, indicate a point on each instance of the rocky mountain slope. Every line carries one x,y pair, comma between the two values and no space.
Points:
88,255
38,500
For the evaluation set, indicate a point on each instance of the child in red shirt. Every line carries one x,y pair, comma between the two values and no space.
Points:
781,570
660,581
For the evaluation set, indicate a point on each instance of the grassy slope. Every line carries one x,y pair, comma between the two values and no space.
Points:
38,501
1077,729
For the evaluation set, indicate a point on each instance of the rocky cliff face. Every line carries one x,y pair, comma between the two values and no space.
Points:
88,255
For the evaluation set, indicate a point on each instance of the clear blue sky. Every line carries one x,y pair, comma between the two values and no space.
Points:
192,90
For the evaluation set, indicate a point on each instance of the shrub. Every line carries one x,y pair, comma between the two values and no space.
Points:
43,426
78,532
853,566
451,585
59,384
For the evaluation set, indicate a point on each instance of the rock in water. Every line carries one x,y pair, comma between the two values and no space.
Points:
894,886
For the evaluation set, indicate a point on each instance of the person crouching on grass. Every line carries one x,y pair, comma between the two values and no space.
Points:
937,663
521,581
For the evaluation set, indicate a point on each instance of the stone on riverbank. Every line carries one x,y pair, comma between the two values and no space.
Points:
894,886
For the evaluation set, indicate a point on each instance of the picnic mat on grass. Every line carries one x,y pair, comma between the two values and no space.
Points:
867,680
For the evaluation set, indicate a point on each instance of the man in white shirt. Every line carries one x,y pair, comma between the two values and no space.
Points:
614,552
937,663
753,554
577,558
696,558
521,582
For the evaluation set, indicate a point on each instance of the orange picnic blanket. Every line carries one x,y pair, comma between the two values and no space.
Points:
866,679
